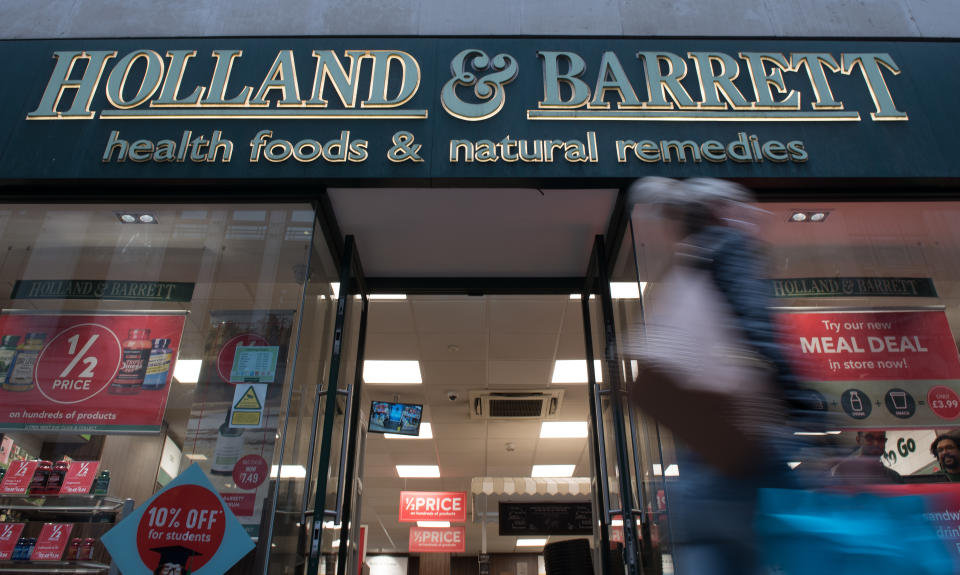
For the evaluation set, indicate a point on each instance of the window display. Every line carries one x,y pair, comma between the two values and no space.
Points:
119,368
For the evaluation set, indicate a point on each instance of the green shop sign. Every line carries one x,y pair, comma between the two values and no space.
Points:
852,287
104,290
528,108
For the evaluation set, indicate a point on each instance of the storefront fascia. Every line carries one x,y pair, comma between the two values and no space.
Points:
271,122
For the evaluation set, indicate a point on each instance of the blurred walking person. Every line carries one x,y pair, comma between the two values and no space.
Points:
712,370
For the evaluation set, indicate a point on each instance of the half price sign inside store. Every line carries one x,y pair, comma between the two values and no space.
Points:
433,506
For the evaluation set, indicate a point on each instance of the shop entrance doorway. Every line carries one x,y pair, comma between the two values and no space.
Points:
521,422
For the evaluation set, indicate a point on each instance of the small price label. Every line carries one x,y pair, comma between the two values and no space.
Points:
250,472
18,477
9,533
944,402
52,542
79,478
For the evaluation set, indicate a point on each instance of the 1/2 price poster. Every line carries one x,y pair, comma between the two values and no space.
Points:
85,372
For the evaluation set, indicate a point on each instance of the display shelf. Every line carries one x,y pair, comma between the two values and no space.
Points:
61,504
53,567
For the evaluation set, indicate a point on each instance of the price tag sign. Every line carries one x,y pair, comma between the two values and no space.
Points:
228,353
79,478
186,524
9,533
944,402
256,364
52,542
250,472
18,477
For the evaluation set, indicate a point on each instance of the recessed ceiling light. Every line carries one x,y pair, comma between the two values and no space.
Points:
395,296
418,471
799,217
627,290
577,296
818,216
136,217
672,470
187,370
563,429
433,524
531,542
574,371
794,464
426,432
289,471
553,470
385,371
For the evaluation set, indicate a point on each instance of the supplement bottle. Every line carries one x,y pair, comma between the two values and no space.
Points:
74,552
38,485
86,552
8,350
228,450
133,363
21,372
55,479
101,484
158,366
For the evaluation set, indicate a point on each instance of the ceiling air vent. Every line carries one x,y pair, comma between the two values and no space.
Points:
540,404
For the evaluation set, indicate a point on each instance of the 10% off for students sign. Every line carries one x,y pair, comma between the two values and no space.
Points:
185,528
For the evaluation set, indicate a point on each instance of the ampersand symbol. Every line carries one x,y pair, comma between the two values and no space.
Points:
403,148
489,87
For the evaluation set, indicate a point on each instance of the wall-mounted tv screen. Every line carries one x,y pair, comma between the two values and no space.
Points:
399,418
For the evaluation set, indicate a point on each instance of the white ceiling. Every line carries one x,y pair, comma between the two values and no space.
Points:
473,232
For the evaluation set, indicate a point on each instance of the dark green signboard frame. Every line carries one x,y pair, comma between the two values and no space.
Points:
533,109
103,290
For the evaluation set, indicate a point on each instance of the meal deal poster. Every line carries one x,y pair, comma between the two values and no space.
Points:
878,368
186,525
86,372
438,540
433,506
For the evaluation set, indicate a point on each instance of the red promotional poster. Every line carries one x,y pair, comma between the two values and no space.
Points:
438,540
871,346
362,548
52,542
9,533
79,478
242,504
433,506
91,373
18,477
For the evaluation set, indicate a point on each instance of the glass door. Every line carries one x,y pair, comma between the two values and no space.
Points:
617,497
629,475
333,545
